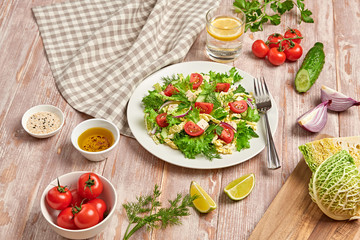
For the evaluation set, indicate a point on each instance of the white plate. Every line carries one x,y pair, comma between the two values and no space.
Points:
135,116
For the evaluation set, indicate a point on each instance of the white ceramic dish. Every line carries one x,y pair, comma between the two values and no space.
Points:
91,123
42,108
135,118
108,195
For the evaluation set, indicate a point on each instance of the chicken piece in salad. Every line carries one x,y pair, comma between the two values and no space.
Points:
205,114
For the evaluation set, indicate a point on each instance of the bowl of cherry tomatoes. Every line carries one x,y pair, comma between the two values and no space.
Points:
79,205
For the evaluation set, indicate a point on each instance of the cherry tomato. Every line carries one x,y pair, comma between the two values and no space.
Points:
86,216
274,39
89,186
196,79
227,134
293,52
170,90
161,120
238,106
100,206
193,129
59,197
65,219
276,57
76,198
291,33
260,49
204,107
222,87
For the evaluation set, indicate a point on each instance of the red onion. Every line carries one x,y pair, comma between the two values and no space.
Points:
167,103
153,131
315,119
248,101
339,101
228,125
182,115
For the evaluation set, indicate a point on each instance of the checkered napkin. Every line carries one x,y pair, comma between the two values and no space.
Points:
99,50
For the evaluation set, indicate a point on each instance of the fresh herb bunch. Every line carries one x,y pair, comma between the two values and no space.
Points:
256,15
147,212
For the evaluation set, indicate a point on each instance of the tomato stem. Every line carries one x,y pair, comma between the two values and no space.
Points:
292,44
60,188
89,183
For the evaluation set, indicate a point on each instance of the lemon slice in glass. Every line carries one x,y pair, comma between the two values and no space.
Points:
225,28
241,187
203,203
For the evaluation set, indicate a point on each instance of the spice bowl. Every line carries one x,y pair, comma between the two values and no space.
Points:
91,124
43,121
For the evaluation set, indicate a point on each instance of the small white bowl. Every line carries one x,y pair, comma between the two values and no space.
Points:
42,108
91,123
70,179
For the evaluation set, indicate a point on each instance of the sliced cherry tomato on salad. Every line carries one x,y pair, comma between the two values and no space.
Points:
100,206
196,79
227,134
161,120
193,129
222,87
204,107
260,49
274,40
238,106
76,198
85,216
170,90
58,197
292,33
293,51
65,219
89,186
276,57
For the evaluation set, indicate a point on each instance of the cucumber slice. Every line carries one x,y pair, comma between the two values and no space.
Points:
302,81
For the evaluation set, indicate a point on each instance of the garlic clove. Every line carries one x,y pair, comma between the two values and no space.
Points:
340,102
315,119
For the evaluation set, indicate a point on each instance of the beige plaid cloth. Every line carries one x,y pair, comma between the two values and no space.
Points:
99,50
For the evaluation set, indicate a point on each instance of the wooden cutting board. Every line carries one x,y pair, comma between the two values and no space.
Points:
293,215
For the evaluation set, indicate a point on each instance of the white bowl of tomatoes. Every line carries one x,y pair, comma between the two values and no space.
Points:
79,205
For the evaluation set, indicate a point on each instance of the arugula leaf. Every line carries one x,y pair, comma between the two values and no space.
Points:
243,135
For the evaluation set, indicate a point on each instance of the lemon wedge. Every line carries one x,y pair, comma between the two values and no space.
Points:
225,28
241,187
203,203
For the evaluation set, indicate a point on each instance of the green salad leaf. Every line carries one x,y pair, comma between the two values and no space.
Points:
243,135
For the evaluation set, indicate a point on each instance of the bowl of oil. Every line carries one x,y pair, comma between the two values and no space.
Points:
95,138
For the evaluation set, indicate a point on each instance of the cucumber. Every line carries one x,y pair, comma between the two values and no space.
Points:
310,68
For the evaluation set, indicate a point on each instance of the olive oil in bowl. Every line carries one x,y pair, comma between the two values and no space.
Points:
96,139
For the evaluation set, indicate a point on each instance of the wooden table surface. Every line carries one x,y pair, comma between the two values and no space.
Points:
29,164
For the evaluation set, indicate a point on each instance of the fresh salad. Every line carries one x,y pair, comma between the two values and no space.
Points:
203,113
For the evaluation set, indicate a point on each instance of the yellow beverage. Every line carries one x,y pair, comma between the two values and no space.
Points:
225,28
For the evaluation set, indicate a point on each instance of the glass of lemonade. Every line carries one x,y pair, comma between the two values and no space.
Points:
225,33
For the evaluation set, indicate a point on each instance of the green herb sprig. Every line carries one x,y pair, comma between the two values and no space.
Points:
147,212
256,15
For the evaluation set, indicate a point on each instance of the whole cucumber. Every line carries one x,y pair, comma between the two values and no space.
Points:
310,68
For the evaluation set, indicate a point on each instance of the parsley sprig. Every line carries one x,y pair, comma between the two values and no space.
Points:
147,212
256,14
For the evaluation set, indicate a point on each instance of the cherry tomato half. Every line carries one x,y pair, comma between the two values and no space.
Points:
65,219
260,49
170,90
227,134
100,206
161,120
274,40
196,79
276,57
293,52
86,216
59,197
222,87
291,33
238,106
89,186
204,107
193,129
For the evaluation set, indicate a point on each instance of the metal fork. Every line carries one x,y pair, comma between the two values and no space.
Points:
263,104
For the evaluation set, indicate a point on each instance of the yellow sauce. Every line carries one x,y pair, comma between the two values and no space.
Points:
96,139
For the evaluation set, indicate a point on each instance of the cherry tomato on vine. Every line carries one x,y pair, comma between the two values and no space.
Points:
65,219
274,40
100,206
238,106
170,90
276,57
222,87
86,216
291,33
58,197
227,134
293,51
193,129
89,186
161,120
260,49
196,79
204,107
